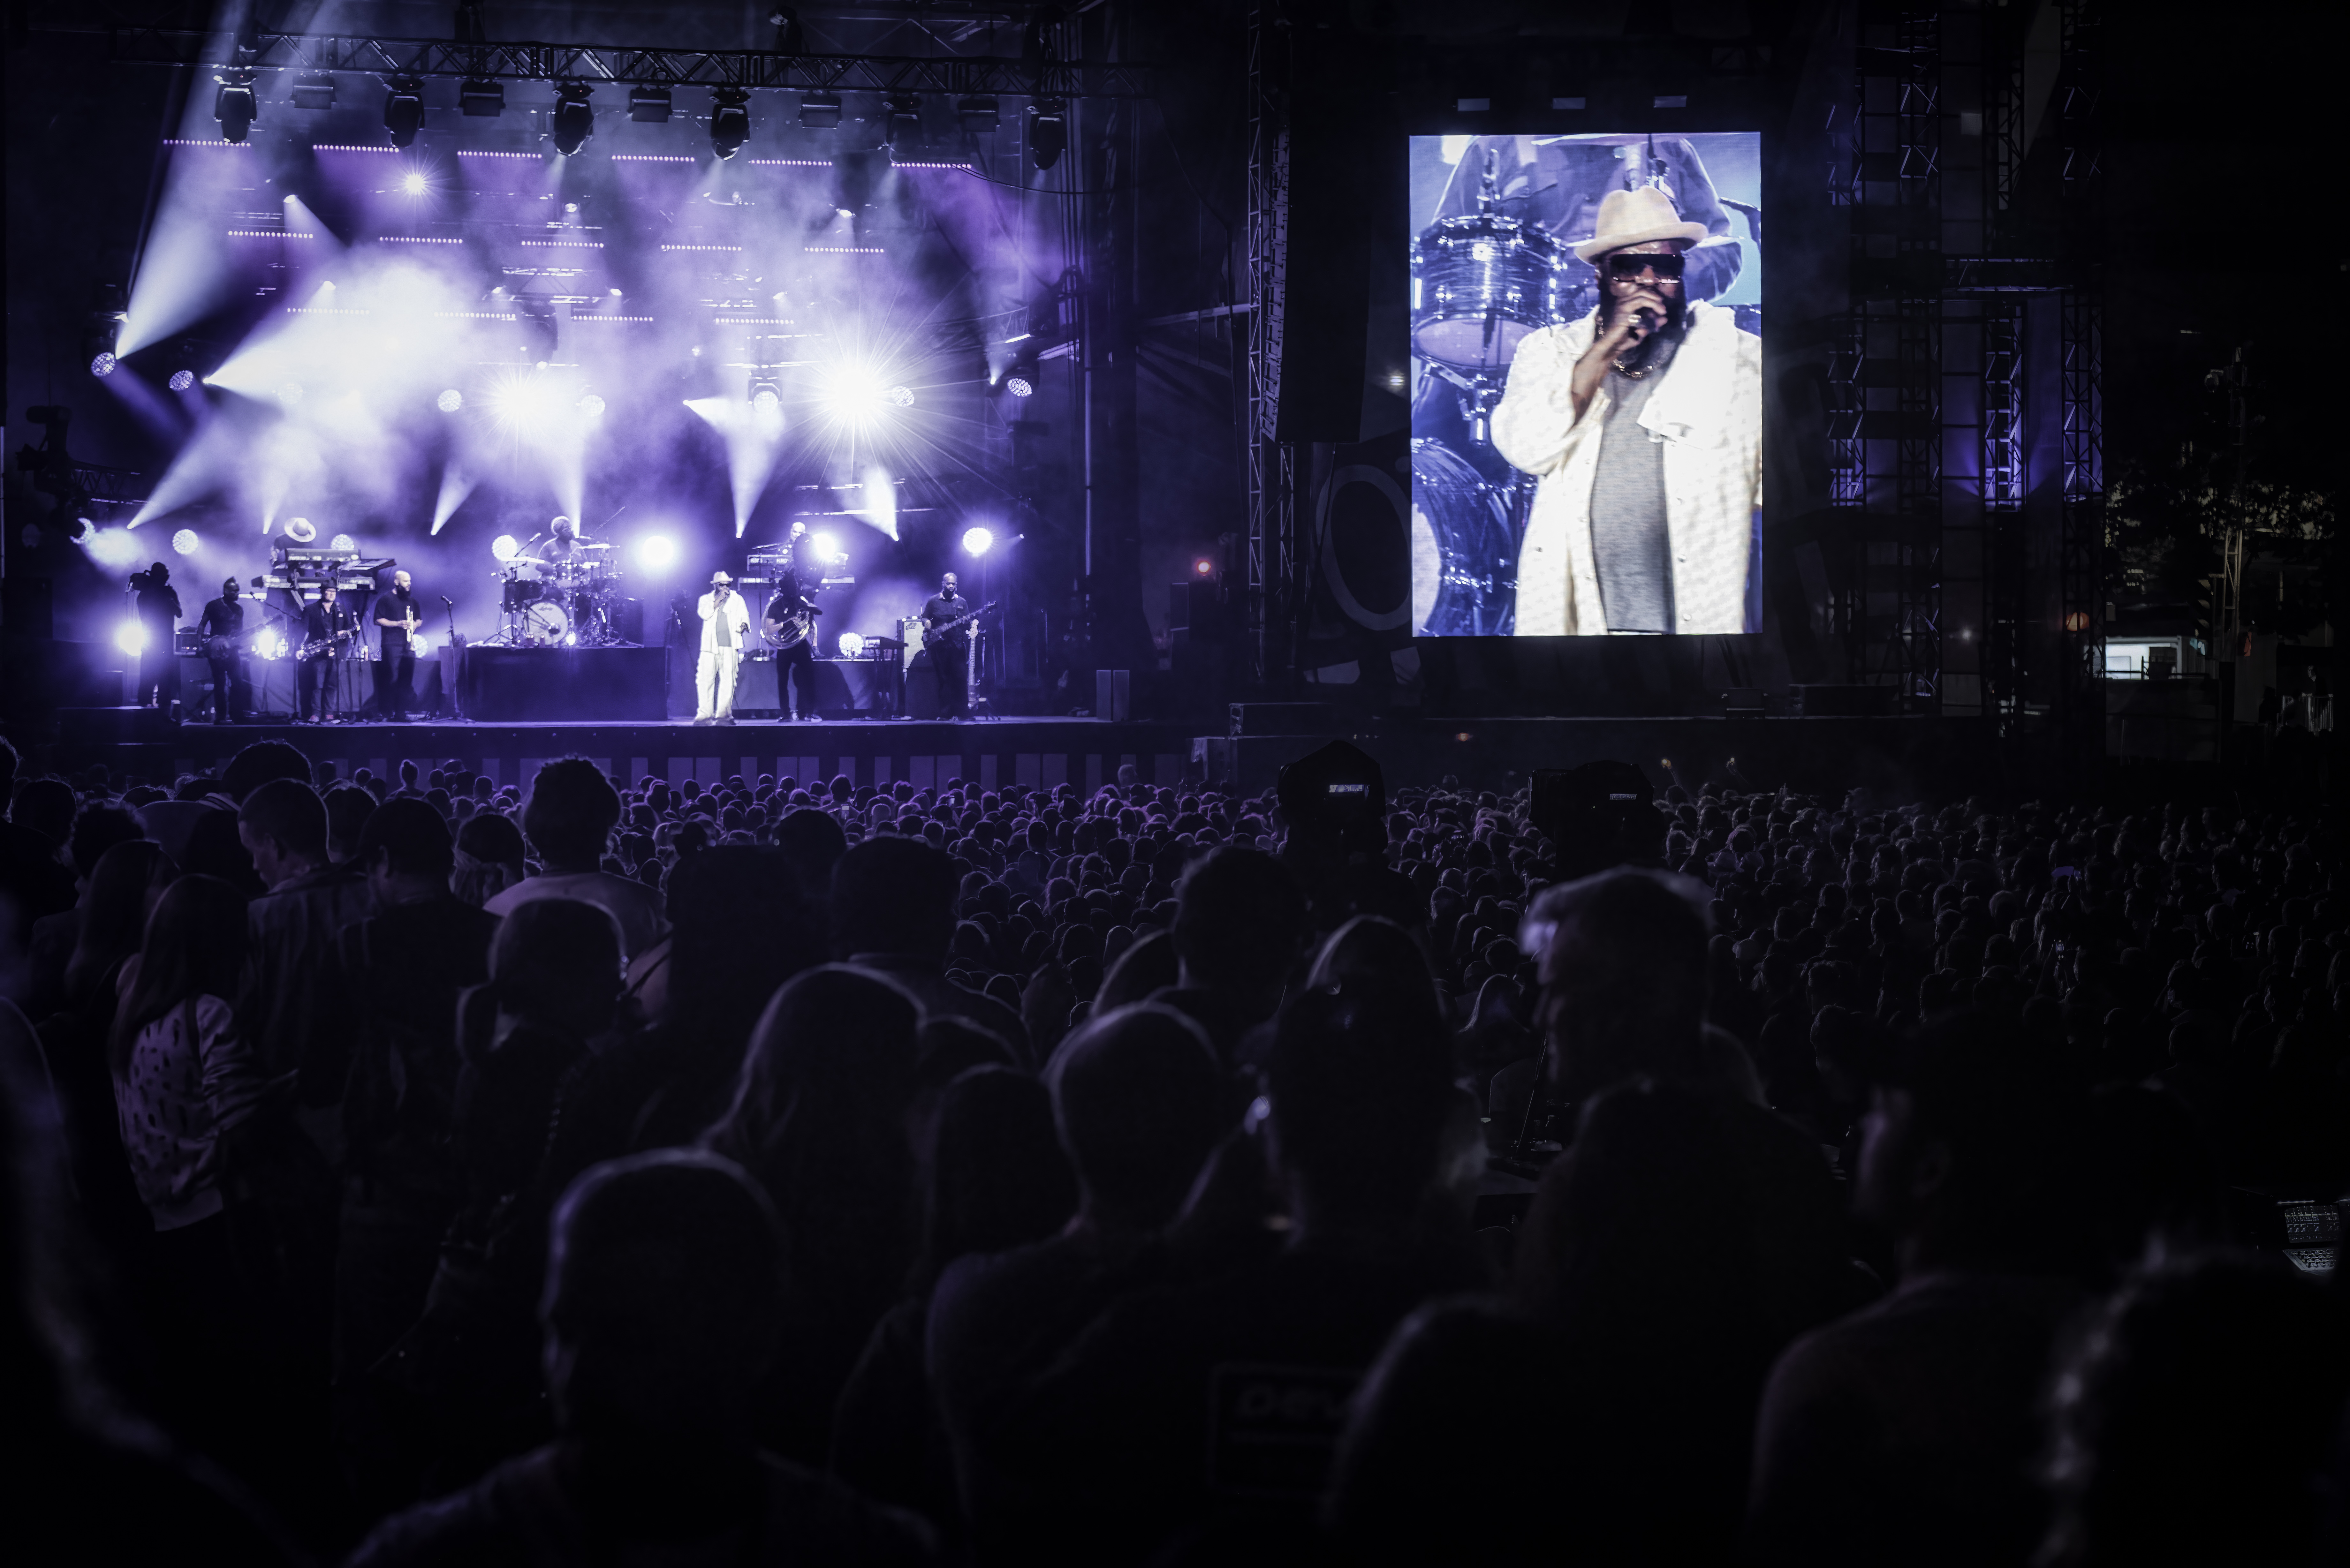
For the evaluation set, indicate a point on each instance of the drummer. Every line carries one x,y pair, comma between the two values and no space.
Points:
564,546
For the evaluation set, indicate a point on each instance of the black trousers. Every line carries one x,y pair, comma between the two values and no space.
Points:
228,675
952,661
159,669
314,684
795,679
395,680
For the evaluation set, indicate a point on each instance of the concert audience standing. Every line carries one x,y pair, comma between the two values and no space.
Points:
1863,1184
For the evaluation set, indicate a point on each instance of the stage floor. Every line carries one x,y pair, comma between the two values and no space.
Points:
1902,755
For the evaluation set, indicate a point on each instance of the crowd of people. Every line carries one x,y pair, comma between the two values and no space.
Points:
411,1170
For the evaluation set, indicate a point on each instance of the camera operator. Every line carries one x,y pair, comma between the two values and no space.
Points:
159,614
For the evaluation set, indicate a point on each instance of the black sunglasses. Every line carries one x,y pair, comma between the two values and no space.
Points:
1632,264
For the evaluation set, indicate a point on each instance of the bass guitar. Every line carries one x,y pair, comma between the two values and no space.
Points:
946,630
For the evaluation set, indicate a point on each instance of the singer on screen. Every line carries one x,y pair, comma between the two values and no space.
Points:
1643,422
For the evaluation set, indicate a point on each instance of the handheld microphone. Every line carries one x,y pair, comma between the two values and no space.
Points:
1644,320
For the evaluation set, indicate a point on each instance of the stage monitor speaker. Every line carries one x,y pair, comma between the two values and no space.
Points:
1844,701
1280,718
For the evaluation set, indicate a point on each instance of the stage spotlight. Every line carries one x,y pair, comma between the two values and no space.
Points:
403,109
450,401
1048,131
182,381
342,542
314,92
827,548
131,637
592,406
979,115
649,104
656,552
414,182
1020,380
1203,567
730,120
820,110
186,541
575,117
978,541
233,105
789,37
102,364
905,119
505,548
852,645
482,98
765,401
901,396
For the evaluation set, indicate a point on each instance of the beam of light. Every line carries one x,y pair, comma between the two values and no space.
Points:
131,637
455,486
656,552
881,508
753,434
827,548
185,270
116,549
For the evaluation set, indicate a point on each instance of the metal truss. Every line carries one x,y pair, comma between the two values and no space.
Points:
2082,542
2005,602
1271,462
1916,641
651,67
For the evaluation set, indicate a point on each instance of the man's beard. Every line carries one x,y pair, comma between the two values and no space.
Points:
1674,323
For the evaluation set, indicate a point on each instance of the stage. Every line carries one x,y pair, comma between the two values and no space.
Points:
1896,755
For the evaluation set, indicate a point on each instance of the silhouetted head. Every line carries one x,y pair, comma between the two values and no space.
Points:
347,810
1239,922
283,826
996,1177
194,947
571,812
893,894
556,962
663,1300
402,840
1360,1098
1378,961
1623,968
124,888
1139,1101
258,764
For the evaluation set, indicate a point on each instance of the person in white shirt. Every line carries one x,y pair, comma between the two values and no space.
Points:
568,820
725,627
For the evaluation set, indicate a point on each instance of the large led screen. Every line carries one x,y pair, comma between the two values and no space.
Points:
1587,385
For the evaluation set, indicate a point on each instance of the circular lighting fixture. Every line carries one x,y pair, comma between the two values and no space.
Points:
450,401
1020,384
1048,131
592,406
901,396
505,547
852,644
186,541
414,182
1203,567
827,548
978,541
102,364
656,552
182,381
131,637
342,542
764,401
233,105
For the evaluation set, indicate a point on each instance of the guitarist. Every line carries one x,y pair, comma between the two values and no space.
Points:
223,628
398,617
791,631
950,653
326,626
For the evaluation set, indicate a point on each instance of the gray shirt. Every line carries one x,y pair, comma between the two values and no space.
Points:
1630,547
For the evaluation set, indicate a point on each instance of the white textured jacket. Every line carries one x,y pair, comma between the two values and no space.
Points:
738,614
1708,408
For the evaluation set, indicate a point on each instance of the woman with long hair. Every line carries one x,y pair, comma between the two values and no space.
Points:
820,1119
124,888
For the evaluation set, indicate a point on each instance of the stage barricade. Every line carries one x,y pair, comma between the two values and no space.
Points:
527,685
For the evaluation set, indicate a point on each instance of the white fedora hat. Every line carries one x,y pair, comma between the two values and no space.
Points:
718,577
1634,218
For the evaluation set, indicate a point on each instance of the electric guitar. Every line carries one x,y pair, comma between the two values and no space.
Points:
938,636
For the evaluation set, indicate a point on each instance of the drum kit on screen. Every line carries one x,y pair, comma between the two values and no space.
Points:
1481,284
567,603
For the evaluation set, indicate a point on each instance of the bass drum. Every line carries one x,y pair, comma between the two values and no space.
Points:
1464,547
544,625
1479,282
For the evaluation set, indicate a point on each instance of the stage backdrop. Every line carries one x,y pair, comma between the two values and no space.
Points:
1625,500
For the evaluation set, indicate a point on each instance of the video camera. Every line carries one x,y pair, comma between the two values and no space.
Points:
1336,798
1598,815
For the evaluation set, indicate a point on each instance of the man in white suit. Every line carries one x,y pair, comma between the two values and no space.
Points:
1643,421
725,629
